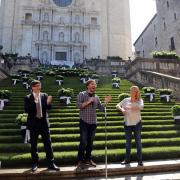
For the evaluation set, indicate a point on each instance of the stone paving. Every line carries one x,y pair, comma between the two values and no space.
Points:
165,170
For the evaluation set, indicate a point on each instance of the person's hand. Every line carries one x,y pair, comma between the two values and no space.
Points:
107,99
123,111
92,99
127,108
49,99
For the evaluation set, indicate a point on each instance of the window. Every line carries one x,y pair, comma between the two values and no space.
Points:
156,42
94,20
63,3
61,36
28,17
76,37
46,17
175,17
172,46
76,19
164,26
61,56
167,4
142,40
45,36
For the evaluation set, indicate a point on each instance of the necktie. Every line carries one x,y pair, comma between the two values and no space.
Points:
38,109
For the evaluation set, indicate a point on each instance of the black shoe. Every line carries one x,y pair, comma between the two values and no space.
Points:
140,163
126,161
53,167
34,167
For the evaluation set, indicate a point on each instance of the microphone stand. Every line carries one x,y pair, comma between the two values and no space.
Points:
105,117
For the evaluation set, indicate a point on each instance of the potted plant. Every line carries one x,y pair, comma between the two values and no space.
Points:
176,113
65,95
59,79
149,93
115,82
15,79
123,96
21,120
4,98
165,94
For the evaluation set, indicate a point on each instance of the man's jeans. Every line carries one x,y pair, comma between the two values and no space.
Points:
137,135
87,134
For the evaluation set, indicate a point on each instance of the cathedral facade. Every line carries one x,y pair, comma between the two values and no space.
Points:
66,31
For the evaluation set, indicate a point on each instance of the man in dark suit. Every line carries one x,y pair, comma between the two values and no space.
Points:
36,105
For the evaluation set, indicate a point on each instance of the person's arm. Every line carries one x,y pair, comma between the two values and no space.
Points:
27,105
139,106
120,107
81,104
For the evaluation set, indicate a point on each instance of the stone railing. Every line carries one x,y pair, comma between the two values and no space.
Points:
164,66
106,67
156,73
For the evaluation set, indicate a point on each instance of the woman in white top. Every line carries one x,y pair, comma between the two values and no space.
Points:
131,108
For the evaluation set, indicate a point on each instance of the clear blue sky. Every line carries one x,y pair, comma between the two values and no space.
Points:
142,12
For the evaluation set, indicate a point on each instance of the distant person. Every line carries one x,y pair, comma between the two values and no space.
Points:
88,102
36,105
131,108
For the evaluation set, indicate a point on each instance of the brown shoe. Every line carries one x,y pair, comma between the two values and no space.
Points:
90,163
126,161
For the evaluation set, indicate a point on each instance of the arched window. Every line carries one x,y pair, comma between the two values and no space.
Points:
164,26
76,37
46,17
77,19
45,36
61,36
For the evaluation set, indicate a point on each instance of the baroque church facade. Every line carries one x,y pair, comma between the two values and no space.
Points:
163,31
65,32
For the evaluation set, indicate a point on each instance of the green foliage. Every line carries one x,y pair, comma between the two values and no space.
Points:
59,77
165,91
176,110
116,80
21,119
5,94
123,95
15,76
65,92
50,73
149,89
164,55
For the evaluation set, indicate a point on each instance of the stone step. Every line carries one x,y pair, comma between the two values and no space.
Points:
99,171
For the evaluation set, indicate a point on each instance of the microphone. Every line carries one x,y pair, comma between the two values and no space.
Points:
92,95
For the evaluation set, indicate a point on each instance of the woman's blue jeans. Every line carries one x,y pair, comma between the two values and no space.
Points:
87,134
137,135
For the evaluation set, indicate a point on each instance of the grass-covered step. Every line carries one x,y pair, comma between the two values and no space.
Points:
160,136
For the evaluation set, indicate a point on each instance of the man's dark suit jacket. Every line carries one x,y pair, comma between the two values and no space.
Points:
30,108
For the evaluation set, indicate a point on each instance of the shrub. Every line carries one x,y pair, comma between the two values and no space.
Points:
164,55
123,95
165,91
50,73
15,76
116,80
176,110
5,94
59,77
21,119
65,92
148,89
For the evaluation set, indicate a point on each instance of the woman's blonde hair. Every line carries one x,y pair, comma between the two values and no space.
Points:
138,93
